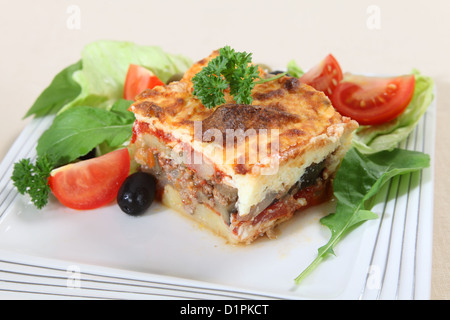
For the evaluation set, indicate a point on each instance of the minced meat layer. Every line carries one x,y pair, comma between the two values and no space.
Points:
195,190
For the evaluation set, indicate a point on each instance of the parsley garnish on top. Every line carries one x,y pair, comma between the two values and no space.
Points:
230,69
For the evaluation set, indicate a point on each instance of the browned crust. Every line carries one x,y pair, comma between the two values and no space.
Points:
245,117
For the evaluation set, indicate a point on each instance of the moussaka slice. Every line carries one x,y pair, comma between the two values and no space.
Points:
240,169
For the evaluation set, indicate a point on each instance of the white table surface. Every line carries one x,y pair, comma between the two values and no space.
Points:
390,37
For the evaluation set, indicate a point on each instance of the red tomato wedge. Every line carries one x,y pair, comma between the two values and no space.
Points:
92,183
373,100
325,76
137,80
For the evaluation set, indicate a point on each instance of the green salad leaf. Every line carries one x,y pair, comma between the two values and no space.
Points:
359,178
61,91
95,85
294,69
371,139
105,66
97,80
77,131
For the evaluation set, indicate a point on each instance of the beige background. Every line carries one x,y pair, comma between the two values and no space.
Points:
37,42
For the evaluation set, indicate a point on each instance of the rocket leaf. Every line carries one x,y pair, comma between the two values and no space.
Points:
62,90
76,131
358,179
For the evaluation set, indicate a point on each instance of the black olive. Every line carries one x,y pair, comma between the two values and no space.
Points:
137,193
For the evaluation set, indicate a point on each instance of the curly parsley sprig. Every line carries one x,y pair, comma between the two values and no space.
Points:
32,179
230,69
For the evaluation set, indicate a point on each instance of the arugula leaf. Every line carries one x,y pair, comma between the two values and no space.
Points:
120,107
77,131
32,179
358,179
61,90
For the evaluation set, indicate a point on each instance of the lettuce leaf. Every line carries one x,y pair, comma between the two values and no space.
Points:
105,65
95,85
359,178
97,80
294,70
372,139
